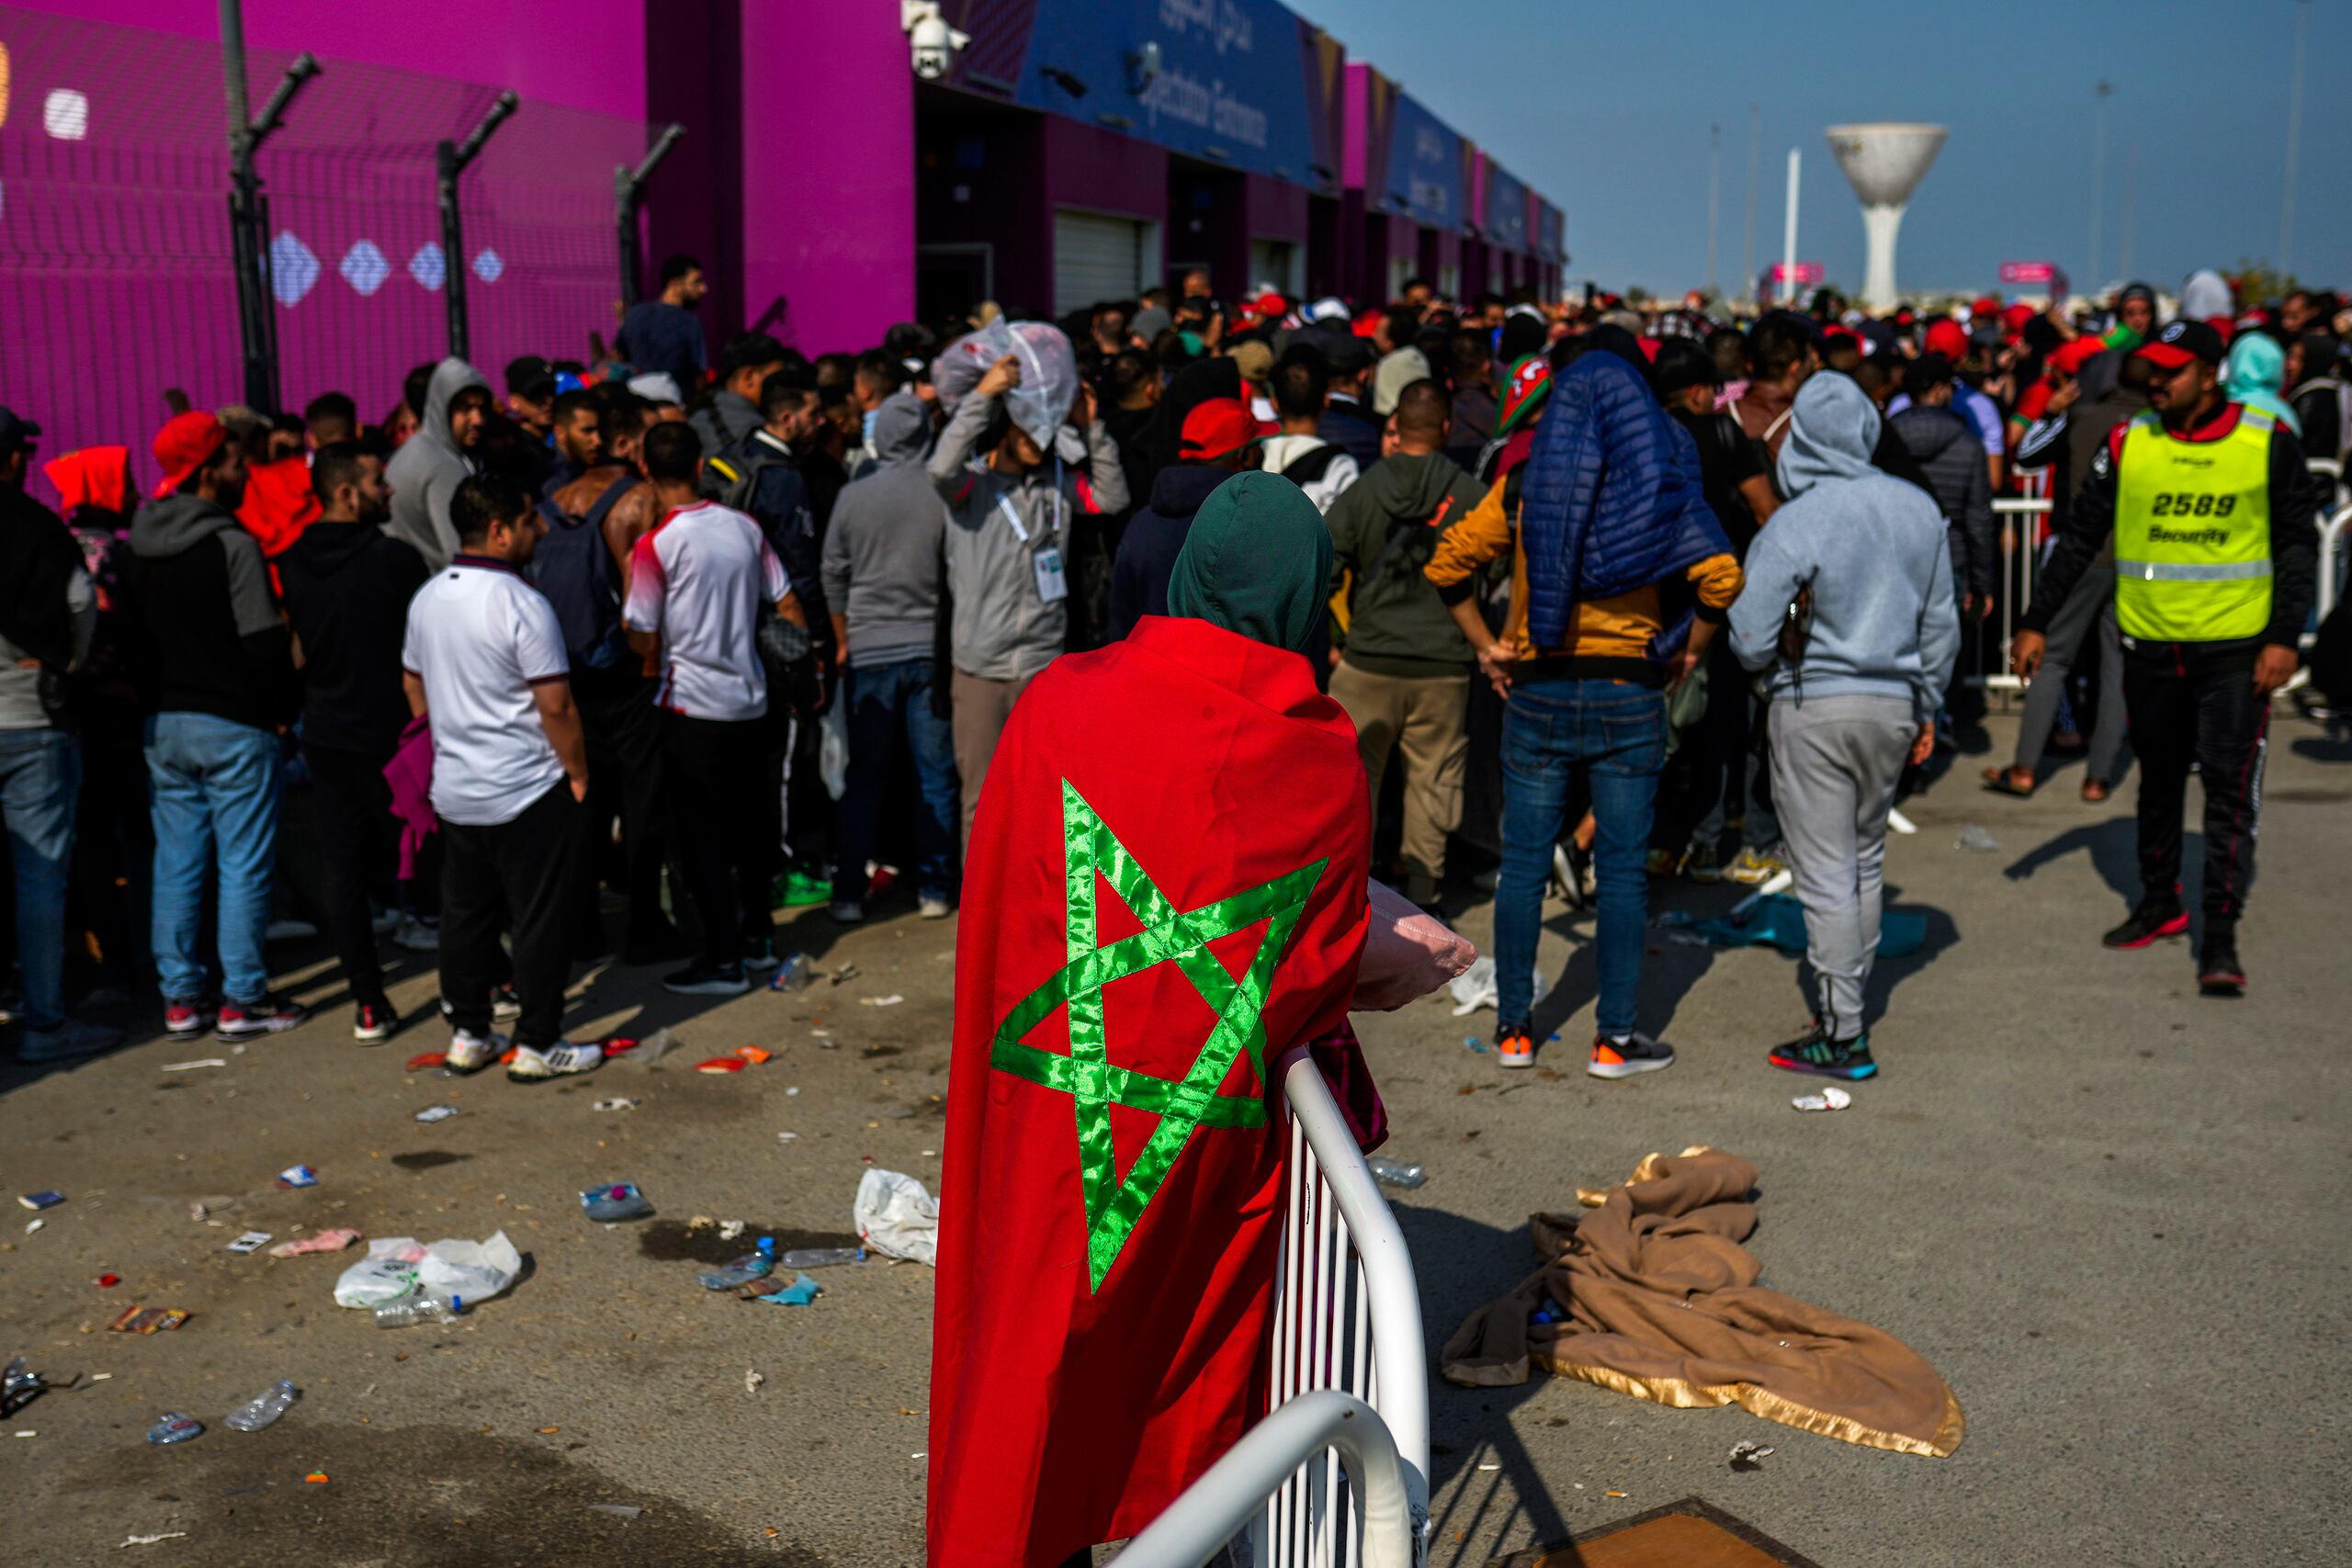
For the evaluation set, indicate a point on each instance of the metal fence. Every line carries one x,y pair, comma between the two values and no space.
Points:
115,280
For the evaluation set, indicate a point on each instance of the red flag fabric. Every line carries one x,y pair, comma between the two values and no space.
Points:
1165,891
278,504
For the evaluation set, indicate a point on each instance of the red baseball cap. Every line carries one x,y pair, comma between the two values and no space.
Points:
185,443
1217,428
1950,339
1270,305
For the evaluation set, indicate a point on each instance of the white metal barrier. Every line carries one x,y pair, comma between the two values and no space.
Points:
2020,559
2330,547
1321,1426
1347,1316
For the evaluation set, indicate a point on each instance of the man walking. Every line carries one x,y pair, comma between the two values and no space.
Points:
695,585
224,690
2211,509
483,660
1861,557
347,585
1404,676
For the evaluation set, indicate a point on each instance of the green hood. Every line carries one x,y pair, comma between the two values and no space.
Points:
1255,561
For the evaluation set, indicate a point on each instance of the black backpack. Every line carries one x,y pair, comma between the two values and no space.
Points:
581,580
1309,467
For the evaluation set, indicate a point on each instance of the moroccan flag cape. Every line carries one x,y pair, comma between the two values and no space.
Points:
1165,891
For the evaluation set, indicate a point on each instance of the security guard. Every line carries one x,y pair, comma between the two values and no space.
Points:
2216,554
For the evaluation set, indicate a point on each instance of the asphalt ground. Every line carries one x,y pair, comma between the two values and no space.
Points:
2110,1213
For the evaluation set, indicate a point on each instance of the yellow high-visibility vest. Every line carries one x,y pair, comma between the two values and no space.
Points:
2192,533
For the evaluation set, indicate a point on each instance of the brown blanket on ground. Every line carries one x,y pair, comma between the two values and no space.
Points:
1660,1302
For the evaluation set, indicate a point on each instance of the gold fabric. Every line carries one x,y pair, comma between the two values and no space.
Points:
1660,1302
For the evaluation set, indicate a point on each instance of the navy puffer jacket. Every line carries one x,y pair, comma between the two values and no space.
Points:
1613,497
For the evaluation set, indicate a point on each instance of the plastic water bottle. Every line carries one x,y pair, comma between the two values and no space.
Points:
616,1201
408,1311
173,1428
820,1257
263,1408
753,1265
1395,1172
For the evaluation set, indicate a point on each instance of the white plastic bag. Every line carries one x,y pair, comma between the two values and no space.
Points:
401,1266
832,745
895,1217
1048,373
1474,988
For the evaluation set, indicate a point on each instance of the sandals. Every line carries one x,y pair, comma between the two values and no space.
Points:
2004,780
2096,792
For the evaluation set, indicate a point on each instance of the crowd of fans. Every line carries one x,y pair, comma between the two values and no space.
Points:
698,638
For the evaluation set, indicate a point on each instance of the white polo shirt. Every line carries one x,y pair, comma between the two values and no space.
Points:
480,637
699,578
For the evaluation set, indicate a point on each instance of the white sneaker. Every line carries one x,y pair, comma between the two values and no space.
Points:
847,912
559,1060
472,1053
414,936
935,907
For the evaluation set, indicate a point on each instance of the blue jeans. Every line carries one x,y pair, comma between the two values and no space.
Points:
889,705
40,776
1617,732
215,787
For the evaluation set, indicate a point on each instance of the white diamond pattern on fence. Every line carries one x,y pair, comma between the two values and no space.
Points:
293,270
365,268
489,266
428,266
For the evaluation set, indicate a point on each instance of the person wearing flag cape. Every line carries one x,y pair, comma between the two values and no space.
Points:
1167,890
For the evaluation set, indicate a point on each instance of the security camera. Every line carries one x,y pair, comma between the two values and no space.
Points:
933,42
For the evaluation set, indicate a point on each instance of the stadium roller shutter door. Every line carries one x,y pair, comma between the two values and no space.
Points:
1095,258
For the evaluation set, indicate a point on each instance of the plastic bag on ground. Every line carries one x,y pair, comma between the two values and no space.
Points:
895,1217
1048,373
833,750
403,1266
1474,988
1407,954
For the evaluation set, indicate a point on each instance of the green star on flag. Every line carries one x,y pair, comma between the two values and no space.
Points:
1089,1076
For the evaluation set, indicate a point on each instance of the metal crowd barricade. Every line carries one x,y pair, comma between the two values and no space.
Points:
2332,527
1347,1316
2020,559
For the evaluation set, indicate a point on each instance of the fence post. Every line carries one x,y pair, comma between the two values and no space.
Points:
450,159
247,215
628,189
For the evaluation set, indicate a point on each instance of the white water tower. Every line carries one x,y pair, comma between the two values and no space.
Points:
1884,162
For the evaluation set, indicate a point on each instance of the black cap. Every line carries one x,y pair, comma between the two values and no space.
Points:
530,376
2181,342
17,432
748,349
1349,354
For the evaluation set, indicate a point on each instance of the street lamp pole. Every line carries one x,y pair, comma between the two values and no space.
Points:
2294,136
2103,92
1714,195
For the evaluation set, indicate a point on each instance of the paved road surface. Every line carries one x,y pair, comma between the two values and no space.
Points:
2112,1213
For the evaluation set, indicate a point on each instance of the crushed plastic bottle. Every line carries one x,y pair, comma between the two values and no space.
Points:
796,973
1974,839
1395,1172
263,1408
173,1428
614,1200
405,1312
819,1257
755,1265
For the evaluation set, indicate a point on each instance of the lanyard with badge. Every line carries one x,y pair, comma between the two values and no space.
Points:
1053,587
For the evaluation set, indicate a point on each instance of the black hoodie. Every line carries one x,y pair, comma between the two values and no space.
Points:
347,587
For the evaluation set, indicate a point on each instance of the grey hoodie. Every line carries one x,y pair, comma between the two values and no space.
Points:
727,418
882,562
429,468
1872,551
1003,628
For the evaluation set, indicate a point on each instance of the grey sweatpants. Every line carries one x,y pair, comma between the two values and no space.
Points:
1834,763
2087,611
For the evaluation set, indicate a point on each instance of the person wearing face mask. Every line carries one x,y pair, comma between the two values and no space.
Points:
430,465
1009,503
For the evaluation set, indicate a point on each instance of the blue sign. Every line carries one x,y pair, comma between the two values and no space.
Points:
1225,80
1425,167
1505,222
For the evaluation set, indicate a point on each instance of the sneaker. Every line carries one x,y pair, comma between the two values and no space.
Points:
1703,864
797,890
1662,862
935,907
471,1053
2153,920
561,1059
759,956
185,1020
847,912
1814,1052
67,1041
1753,867
1515,1048
373,1023
505,1005
384,922
271,1015
416,935
708,980
2219,973
289,931
1622,1055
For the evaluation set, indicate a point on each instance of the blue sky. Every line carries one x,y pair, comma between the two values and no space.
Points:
1613,126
